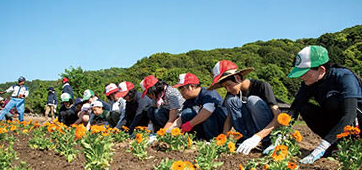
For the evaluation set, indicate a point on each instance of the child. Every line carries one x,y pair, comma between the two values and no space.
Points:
98,114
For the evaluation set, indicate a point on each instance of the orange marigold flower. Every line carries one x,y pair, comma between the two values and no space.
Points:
188,165
80,131
139,138
284,119
238,135
12,127
342,135
221,139
52,128
229,133
252,169
348,128
105,134
291,165
297,136
97,129
280,152
231,147
266,166
241,167
189,142
175,131
3,130
178,165
125,128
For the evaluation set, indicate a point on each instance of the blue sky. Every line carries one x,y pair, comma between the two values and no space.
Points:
39,39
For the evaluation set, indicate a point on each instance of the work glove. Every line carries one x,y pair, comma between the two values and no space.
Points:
20,96
152,139
272,146
249,144
186,127
317,153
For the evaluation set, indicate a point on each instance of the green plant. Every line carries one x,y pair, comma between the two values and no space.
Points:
350,148
6,155
138,147
41,141
176,140
165,164
97,148
64,142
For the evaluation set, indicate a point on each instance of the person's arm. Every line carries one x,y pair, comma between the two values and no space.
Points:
55,99
10,89
227,125
172,116
272,125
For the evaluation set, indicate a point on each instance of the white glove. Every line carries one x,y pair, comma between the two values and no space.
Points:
272,146
249,144
317,153
152,139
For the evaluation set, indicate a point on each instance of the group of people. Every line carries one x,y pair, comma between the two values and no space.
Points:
250,106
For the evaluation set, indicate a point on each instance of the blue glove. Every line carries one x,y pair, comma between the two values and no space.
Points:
316,154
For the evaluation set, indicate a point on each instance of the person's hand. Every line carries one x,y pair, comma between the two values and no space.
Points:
152,139
272,146
1,92
317,153
249,144
186,127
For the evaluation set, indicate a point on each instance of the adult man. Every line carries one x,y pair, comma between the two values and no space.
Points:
20,92
337,91
203,110
251,104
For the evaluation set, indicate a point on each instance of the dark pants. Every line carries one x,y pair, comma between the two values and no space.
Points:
208,129
68,116
158,117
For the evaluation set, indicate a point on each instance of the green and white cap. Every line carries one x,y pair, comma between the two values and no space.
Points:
309,57
65,97
87,94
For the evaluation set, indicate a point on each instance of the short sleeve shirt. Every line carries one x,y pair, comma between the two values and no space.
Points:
172,99
261,89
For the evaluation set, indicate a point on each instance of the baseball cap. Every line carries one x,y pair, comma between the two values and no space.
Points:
85,107
307,58
51,88
65,97
97,104
185,79
21,79
111,88
148,82
65,80
87,94
224,69
124,88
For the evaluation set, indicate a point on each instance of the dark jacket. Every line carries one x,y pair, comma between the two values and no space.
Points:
52,98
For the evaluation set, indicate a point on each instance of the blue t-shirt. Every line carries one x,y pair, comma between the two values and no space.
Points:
207,96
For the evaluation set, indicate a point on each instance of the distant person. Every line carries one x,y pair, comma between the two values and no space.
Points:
52,102
203,111
117,103
251,104
67,88
67,111
98,114
136,107
20,92
89,96
167,102
336,89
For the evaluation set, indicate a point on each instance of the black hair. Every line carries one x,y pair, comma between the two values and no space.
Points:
188,85
132,93
157,89
231,78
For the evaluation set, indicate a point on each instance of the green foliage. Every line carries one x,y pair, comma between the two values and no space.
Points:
272,60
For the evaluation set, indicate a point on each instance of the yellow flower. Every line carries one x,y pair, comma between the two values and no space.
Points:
220,140
291,165
231,147
139,138
188,165
12,127
284,119
297,136
25,131
3,130
161,132
178,165
175,131
280,152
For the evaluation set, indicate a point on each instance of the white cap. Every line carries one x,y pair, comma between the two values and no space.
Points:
97,104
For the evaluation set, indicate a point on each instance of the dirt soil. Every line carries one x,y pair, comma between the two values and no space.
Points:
123,160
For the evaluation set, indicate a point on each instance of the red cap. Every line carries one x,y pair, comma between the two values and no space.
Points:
111,88
65,80
221,67
148,82
187,78
124,88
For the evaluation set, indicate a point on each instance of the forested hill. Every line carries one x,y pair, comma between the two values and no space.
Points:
272,60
